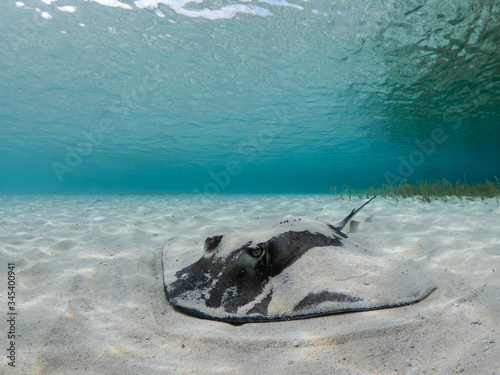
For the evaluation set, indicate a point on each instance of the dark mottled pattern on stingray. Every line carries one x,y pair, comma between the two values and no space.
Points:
297,243
324,296
261,307
291,270
239,286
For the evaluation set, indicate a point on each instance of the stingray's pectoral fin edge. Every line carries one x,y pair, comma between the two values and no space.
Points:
240,320
231,319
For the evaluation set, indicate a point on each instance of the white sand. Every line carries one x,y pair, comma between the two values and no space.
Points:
90,296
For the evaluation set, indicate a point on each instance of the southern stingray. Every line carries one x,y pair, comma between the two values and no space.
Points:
295,269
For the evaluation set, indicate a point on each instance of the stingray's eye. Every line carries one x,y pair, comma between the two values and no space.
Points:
256,253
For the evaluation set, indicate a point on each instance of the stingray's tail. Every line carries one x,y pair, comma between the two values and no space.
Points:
342,224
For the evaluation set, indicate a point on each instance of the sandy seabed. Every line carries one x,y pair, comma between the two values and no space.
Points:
90,297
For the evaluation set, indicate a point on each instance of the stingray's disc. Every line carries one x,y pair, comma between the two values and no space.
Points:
293,270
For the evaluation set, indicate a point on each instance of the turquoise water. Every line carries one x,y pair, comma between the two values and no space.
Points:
246,96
